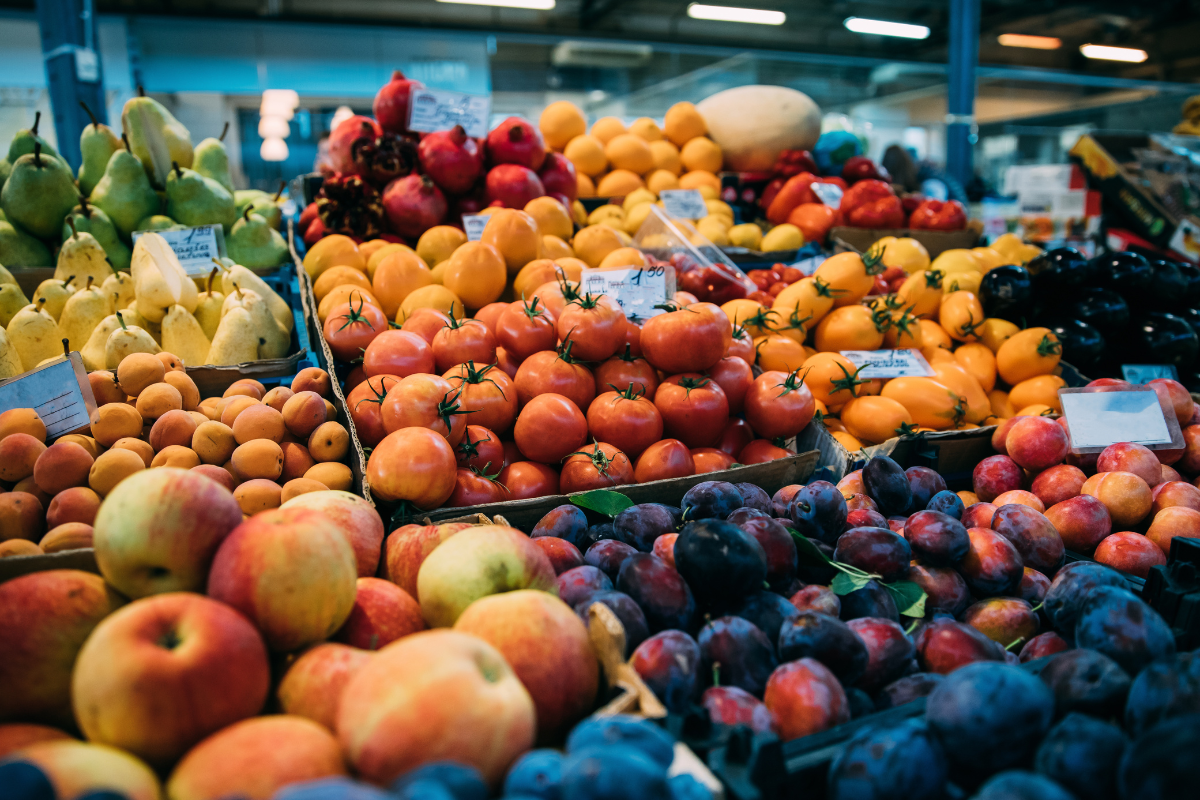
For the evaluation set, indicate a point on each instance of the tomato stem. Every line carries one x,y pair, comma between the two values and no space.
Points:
355,315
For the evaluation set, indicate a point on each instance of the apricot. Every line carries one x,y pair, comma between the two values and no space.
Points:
299,486
1082,522
233,407
1060,482
218,474
297,460
1131,457
172,428
213,442
1170,474
329,442
186,387
303,412
113,421
246,387
1172,522
1125,495
258,422
22,420
158,399
311,379
333,475
105,387
330,410
18,454
139,446
1170,494
197,417
170,362
138,371
113,467
1130,553
176,456
209,408
77,504
236,476
258,458
258,494
61,466
1037,443
68,536
86,442
20,516
22,547
277,397
1020,497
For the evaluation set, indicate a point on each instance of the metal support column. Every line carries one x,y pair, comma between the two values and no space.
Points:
964,58
73,69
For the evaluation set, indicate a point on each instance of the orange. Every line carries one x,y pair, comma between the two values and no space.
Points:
476,273
397,276
624,257
701,153
587,154
369,247
683,123
627,151
594,242
584,186
666,156
560,123
813,219
332,251
432,296
606,128
336,276
699,178
661,180
439,242
619,182
551,218
647,129
382,253
515,234
554,247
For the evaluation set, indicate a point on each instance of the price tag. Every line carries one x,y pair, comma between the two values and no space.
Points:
889,363
474,224
1097,419
59,392
828,193
683,203
194,247
637,289
1144,373
439,110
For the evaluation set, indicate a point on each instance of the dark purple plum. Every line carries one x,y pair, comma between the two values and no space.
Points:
1083,754
720,562
1161,763
871,600
1033,586
828,640
889,651
669,663
946,502
638,526
1116,623
630,614
1165,689
578,584
887,484
661,592
1018,784
777,544
1042,645
819,511
810,570
601,772
730,705
924,483
884,762
754,497
627,732
607,555
860,702
538,773
745,513
789,587
945,589
860,502
781,498
865,518
992,565
1034,536
768,611
874,550
566,522
676,513
1070,587
817,598
601,531
711,500
944,645
938,539
906,689
742,654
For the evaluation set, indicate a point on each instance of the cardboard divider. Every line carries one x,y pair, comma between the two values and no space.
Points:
16,566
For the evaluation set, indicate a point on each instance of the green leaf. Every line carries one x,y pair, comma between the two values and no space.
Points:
809,553
845,584
909,597
602,501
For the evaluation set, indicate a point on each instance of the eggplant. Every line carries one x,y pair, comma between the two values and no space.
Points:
1127,274
1191,316
1157,337
1082,345
1006,292
1063,269
1103,309
1191,277
1167,288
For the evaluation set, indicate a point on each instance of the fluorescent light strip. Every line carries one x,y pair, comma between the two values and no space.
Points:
1031,42
1107,53
535,5
881,27
753,16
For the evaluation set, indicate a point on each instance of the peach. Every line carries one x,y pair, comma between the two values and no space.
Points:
86,442
978,515
257,494
433,696
1129,552
1130,457
45,617
1037,443
1061,482
312,686
176,456
29,486
311,379
804,697
142,448
68,536
19,453
16,735
188,391
1082,522
258,458
234,406
1190,462
995,475
157,400
1172,522
258,422
296,461
19,547
76,769
303,412
172,428
246,387
382,613
20,516
298,486
1000,435
1125,495
23,420
218,474
253,759
113,421
357,519
160,674
329,442
408,546
1170,474
1020,497
139,371
1174,396
105,387
333,475
1169,494
113,467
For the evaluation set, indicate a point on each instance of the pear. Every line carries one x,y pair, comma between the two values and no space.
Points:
273,340
24,143
34,334
193,199
189,295
209,306
246,198
19,249
262,203
124,193
82,256
133,317
10,360
6,276
157,222
211,160
183,336
236,341
252,242
39,193
83,311
97,143
53,294
118,288
12,300
86,218
238,275
156,276
93,351
125,341
158,138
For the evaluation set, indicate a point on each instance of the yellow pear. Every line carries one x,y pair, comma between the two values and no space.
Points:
34,334
125,341
209,306
10,360
243,277
55,291
12,300
236,341
6,276
157,284
134,317
121,285
81,255
183,336
93,351
83,311
274,341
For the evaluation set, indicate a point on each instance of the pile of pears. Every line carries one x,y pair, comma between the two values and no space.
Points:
149,178
107,314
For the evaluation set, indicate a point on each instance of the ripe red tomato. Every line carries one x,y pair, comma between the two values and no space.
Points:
596,324
354,377
350,330
627,420
401,353
710,459
487,394
489,314
526,328
526,479
779,404
463,340
365,404
760,451
549,428
741,344
558,373
425,401
513,454
507,364
668,458
693,408
480,449
415,465
425,322
633,336
596,466
737,434
555,295
734,376
691,339
627,369
472,488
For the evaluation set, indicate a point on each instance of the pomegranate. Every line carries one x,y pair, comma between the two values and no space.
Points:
471,203
308,215
413,205
513,186
452,159
516,141
343,137
392,102
558,176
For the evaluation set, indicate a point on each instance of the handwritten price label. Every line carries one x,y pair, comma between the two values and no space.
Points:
684,203
637,289
439,110
473,225
889,363
194,247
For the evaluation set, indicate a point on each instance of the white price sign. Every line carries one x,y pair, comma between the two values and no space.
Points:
683,203
439,110
889,363
473,225
1144,373
194,247
1097,419
828,193
59,392
637,289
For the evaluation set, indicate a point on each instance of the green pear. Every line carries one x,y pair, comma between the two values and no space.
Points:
237,275
12,300
124,193
252,242
19,249
10,359
53,294
157,284
193,199
183,336
34,334
118,287
86,218
245,198
82,256
125,341
39,193
83,311
158,138
157,222
209,306
211,160
6,276
273,340
93,351
23,143
236,340
97,143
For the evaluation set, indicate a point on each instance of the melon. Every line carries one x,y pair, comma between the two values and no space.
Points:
754,124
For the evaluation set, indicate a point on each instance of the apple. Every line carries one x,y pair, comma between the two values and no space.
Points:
254,758
163,672
547,645
291,571
45,617
158,529
483,560
382,613
356,518
16,735
408,546
434,696
312,686
77,768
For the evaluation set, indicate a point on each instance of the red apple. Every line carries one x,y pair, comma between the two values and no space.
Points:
382,613
408,546
312,686
356,518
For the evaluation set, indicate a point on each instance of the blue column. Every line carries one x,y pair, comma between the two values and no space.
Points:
964,57
73,70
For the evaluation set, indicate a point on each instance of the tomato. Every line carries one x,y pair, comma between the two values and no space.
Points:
832,378
596,324
760,451
507,364
1040,390
734,376
741,345
778,352
401,353
852,328
668,458
922,292
489,314
689,339
904,333
961,314
788,275
761,297
365,404
550,372
850,276
626,419
555,295
740,310
354,378
487,394
549,428
425,322
682,299
350,330
979,362
597,466
622,371
693,408
710,459
807,300
875,419
720,316
778,404
526,479
995,332
513,454
425,401
736,435
763,277
415,465
847,441
776,288
1034,351
931,403
473,488
480,449
525,328
463,340
633,336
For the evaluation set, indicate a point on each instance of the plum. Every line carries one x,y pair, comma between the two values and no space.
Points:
1082,522
1070,588
978,515
1058,484
562,554
577,585
777,544
874,550
608,555
992,564
887,484
995,475
659,590
944,645
906,689
990,716
1083,754
805,697
1005,620
628,612
903,761
754,497
948,503
809,570
897,524
945,589
937,539
1130,553
768,611
817,598
1017,784
1168,688
638,526
924,483
1033,586
720,562
538,773
623,730
1088,682
828,640
599,532
1161,763
744,513
819,511
683,787
598,773
1035,538
889,651
1042,645
669,663
565,521
729,705
711,500
860,702
742,654
460,780
866,518
860,502
781,498
1116,623
872,600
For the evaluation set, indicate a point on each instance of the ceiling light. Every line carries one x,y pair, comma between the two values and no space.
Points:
273,128
536,5
754,16
1107,53
1032,42
881,27
273,150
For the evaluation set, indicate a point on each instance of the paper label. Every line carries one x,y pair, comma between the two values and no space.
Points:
474,224
440,110
194,247
889,363
1144,373
828,193
1098,419
1186,240
59,392
637,289
683,203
